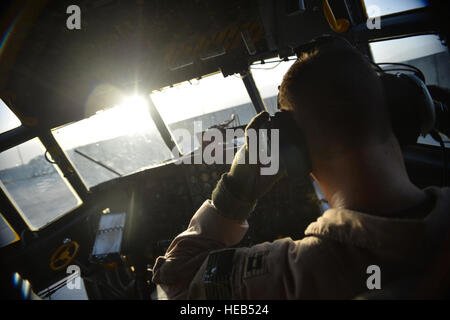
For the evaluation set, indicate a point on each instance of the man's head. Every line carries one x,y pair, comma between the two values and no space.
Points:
337,100
339,104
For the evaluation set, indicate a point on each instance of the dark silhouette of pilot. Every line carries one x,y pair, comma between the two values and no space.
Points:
380,226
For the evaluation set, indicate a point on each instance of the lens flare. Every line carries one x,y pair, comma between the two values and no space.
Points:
16,279
25,289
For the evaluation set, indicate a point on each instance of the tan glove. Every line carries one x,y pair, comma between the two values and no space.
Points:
238,191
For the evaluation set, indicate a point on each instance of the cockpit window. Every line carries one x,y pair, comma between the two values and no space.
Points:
268,77
113,143
7,234
425,52
377,8
35,186
8,119
428,139
211,101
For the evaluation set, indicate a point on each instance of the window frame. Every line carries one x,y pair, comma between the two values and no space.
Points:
23,219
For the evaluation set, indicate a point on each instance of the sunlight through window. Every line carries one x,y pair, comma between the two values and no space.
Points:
8,119
113,142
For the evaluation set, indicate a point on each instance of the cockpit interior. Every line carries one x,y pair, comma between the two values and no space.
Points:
102,99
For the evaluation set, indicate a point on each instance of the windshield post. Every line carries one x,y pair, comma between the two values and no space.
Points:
58,155
253,92
14,137
364,48
162,128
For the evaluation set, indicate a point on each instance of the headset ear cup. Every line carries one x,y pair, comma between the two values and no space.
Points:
405,123
425,104
410,105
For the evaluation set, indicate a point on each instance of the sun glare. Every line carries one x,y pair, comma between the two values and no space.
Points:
135,101
129,117
198,97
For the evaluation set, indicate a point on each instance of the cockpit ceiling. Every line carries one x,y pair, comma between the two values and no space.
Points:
51,75
122,45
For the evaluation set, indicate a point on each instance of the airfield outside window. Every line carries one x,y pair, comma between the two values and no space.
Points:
208,102
113,143
37,188
268,77
385,7
425,52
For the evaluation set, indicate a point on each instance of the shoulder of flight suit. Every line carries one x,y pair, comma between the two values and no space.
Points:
319,266
310,268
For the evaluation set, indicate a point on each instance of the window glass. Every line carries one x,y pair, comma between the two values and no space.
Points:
376,8
425,52
210,101
8,119
430,141
36,187
113,143
7,234
268,77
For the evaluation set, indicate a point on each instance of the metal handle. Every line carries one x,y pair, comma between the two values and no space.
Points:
337,25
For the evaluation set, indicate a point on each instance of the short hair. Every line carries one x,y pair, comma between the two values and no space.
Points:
337,99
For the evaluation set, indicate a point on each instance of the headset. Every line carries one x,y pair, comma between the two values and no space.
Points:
413,111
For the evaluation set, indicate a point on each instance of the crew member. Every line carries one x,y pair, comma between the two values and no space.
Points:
378,217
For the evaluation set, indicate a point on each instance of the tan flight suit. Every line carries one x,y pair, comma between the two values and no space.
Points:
331,262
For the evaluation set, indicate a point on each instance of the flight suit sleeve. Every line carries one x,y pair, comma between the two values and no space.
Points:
207,231
201,263
270,270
